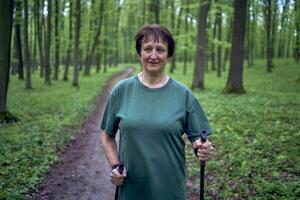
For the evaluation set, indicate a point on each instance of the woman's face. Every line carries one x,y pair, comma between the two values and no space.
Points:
154,56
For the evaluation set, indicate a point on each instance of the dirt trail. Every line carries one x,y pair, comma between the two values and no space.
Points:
83,172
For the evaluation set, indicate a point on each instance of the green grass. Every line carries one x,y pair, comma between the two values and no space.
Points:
46,113
257,134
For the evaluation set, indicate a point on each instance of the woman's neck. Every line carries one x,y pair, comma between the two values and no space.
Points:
153,80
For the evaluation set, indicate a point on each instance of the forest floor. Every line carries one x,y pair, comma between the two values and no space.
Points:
82,171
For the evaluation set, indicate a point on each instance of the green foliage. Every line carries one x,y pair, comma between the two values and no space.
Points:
256,134
46,114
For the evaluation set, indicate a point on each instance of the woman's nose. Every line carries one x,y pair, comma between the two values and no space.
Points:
153,54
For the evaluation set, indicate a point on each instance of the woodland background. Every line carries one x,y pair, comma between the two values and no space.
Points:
55,54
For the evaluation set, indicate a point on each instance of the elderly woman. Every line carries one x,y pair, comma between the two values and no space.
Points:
152,112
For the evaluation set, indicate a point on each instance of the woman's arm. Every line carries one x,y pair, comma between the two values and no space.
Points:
110,148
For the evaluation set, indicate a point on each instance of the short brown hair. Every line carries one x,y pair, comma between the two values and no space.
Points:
157,32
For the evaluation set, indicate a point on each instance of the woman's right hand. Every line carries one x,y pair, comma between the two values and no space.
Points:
116,178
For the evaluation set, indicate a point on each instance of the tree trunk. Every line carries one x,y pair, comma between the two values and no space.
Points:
186,39
235,77
91,53
6,15
227,50
281,45
154,9
48,45
144,12
213,55
26,45
297,43
68,57
198,79
219,48
105,43
268,24
177,31
56,36
252,34
40,25
98,61
76,48
116,51
18,41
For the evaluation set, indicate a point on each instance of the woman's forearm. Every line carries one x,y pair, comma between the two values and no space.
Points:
110,148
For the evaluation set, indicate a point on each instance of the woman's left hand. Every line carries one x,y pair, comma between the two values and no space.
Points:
205,149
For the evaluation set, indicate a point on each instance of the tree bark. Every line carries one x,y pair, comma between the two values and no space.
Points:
235,77
219,48
186,38
213,55
177,31
227,50
154,9
56,36
40,25
198,79
6,15
252,34
91,53
68,57
116,46
48,45
26,45
268,24
281,46
76,48
18,18
297,43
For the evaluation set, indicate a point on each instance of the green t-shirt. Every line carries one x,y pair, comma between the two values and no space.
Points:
151,124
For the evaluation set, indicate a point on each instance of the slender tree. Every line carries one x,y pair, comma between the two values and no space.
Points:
154,9
56,39
48,44
76,47
186,40
235,77
68,57
283,16
198,79
268,23
219,37
6,15
297,43
91,52
252,32
18,41
176,30
40,24
116,32
26,45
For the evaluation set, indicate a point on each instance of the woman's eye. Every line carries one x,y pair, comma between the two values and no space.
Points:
160,50
147,49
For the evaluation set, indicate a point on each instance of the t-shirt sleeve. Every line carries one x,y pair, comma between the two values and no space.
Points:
109,120
196,120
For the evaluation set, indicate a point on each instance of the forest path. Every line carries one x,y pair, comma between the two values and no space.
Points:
83,171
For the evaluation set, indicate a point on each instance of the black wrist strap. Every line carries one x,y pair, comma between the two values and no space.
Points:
115,166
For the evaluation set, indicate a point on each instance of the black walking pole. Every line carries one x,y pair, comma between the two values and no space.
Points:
120,170
203,136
